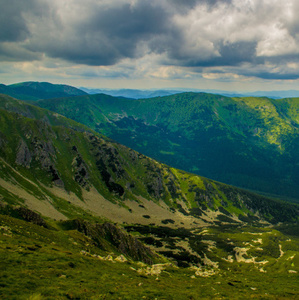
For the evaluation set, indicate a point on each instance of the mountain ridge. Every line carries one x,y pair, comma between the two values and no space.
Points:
97,165
150,93
34,90
82,216
247,142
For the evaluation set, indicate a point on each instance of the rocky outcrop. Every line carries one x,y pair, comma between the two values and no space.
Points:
154,180
22,213
30,216
23,156
80,169
126,244
109,163
44,152
122,241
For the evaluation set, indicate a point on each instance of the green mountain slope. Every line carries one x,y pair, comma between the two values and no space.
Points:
178,235
71,161
39,90
248,142
61,262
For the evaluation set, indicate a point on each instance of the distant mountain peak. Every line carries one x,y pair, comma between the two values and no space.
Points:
34,90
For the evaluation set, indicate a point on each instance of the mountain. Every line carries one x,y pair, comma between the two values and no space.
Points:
54,154
275,94
247,142
142,94
39,90
82,216
132,93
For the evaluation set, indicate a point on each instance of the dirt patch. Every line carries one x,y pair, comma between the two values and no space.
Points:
44,207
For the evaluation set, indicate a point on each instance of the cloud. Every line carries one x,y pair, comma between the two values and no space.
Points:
15,52
179,36
99,34
12,22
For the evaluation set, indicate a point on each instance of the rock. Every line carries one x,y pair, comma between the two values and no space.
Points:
154,270
23,156
203,272
121,258
81,170
30,216
126,244
109,258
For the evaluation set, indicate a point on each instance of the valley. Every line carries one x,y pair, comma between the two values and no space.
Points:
247,142
82,216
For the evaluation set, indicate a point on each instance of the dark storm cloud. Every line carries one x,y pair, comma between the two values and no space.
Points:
107,35
127,22
13,18
230,54
14,28
12,23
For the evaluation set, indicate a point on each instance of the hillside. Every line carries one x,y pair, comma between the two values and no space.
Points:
79,163
83,217
64,263
39,90
247,142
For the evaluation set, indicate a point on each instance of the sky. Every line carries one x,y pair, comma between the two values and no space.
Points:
234,45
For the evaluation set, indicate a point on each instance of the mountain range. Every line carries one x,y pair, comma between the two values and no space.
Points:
83,216
248,142
139,94
49,150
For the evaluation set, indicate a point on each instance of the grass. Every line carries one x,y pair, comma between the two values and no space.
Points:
47,263
38,263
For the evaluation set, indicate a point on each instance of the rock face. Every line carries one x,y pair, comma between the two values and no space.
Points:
125,243
23,156
30,216
22,213
42,151
80,168
108,162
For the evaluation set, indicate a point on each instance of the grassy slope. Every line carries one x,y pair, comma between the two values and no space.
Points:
75,159
40,263
48,263
248,142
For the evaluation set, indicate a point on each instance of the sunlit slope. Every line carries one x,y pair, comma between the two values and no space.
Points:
248,142
77,259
